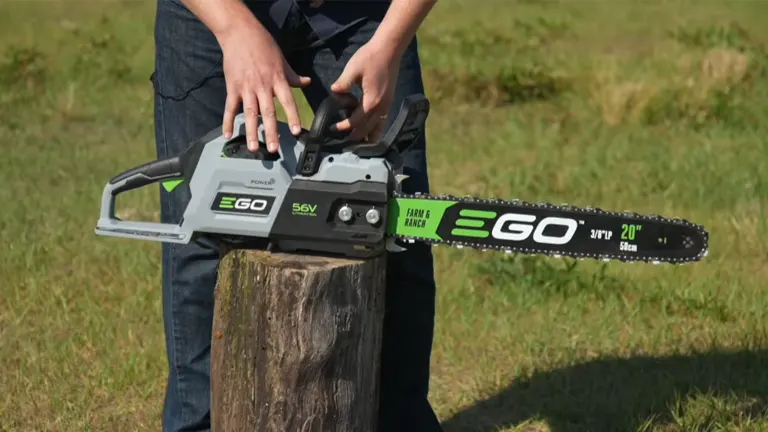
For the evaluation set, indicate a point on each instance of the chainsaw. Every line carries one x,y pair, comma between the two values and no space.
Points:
322,193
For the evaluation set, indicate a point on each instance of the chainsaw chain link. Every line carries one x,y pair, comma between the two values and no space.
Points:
553,252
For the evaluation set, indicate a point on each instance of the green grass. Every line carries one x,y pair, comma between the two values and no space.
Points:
657,107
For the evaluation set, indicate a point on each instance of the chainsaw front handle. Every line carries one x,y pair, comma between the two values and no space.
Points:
151,172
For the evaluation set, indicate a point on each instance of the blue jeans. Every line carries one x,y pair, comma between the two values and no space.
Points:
189,99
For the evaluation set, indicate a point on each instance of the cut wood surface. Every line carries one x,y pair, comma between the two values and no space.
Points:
296,343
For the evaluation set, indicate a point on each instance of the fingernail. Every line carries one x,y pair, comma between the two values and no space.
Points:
296,129
227,135
253,145
272,147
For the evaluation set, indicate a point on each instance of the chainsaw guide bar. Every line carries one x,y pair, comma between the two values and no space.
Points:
517,226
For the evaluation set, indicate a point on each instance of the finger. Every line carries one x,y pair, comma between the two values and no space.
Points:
285,96
230,111
269,118
358,118
365,130
346,81
347,100
294,79
251,114
378,130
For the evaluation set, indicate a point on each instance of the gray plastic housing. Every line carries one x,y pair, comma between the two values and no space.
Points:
215,174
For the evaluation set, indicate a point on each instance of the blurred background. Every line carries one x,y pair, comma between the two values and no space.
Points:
651,106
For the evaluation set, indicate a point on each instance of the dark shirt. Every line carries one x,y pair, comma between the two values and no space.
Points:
321,16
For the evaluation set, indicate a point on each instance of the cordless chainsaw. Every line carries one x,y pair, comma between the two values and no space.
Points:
324,193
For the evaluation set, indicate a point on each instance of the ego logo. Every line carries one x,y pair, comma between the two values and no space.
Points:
243,203
515,227
238,203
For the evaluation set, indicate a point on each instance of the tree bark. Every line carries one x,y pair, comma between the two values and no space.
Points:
296,343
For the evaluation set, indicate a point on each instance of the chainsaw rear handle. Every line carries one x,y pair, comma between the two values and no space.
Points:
145,174
134,178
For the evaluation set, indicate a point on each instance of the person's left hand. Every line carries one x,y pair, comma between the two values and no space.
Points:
375,68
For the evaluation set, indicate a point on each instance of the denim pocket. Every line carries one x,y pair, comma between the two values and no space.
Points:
186,52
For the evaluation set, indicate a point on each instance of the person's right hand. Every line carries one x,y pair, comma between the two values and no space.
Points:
256,71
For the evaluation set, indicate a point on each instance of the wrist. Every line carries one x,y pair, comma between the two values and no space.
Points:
400,24
390,44
227,19
232,27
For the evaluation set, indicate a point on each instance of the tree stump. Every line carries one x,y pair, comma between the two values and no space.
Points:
296,343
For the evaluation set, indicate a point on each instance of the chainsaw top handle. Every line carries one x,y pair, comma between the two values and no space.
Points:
331,110
410,121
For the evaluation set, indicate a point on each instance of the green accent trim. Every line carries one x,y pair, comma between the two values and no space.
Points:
416,217
170,185
477,214
469,233
472,223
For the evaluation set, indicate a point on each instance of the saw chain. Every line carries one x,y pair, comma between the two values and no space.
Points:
591,233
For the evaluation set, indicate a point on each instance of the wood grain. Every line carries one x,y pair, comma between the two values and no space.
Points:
296,343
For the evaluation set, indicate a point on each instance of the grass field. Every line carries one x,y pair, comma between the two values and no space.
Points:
655,106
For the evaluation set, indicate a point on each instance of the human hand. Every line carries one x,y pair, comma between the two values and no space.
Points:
375,68
256,71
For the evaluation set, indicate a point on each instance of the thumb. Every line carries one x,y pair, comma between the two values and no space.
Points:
345,82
